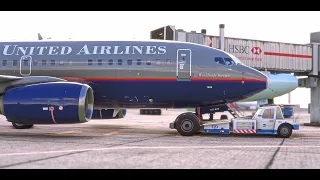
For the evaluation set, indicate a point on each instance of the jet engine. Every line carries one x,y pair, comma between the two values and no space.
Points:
109,113
48,103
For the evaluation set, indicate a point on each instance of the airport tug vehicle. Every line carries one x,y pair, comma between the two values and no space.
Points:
266,120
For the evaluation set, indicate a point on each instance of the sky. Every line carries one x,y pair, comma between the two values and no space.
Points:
289,27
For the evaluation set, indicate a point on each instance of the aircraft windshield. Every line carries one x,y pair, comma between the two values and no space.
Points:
235,59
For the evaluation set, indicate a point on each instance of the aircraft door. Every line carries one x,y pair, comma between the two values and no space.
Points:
184,64
25,65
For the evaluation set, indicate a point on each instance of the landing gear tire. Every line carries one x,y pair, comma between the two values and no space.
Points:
22,126
284,131
150,111
187,124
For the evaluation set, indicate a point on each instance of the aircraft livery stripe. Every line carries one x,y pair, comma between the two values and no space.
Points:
167,79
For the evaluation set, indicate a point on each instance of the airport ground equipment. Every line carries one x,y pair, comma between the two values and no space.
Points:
267,120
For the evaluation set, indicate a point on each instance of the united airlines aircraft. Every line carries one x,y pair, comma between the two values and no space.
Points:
65,82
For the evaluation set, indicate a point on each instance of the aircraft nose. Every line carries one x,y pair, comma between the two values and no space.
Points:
251,73
282,83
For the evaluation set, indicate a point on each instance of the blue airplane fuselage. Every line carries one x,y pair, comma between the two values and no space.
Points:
137,74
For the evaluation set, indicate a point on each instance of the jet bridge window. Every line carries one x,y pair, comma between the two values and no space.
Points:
268,114
229,61
139,62
15,62
129,61
99,62
90,62
4,62
110,62
219,60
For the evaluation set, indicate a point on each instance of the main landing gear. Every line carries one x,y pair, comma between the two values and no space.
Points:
22,126
189,123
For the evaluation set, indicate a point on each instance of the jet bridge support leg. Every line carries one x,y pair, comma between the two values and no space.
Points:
315,102
313,83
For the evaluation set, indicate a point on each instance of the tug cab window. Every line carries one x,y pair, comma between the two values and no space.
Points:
279,113
219,60
268,114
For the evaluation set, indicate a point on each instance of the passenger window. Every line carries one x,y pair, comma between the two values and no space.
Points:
268,114
99,62
168,61
35,62
70,61
53,62
279,113
229,61
148,62
119,61
139,62
61,62
15,62
44,62
110,62
4,62
129,61
26,62
90,62
158,61
219,60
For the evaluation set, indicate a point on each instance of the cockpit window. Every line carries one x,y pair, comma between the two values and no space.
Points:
235,59
229,61
219,60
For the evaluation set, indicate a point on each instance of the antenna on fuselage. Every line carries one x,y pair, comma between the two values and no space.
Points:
39,37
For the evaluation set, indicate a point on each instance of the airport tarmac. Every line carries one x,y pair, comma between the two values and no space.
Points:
145,141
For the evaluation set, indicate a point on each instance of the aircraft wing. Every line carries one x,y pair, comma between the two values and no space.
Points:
7,81
4,78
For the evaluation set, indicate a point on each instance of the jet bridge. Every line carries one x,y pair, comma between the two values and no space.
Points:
262,55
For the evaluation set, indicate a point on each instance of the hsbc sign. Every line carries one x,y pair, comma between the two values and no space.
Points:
239,49
256,50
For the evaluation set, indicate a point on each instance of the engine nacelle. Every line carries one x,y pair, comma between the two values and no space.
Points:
109,114
48,103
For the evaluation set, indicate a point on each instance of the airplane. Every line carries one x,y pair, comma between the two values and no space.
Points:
66,82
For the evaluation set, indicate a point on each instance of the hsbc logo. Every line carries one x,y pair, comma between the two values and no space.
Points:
256,50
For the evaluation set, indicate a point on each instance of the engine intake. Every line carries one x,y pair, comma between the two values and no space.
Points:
48,103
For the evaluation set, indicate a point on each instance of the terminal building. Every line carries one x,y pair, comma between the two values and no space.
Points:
272,57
